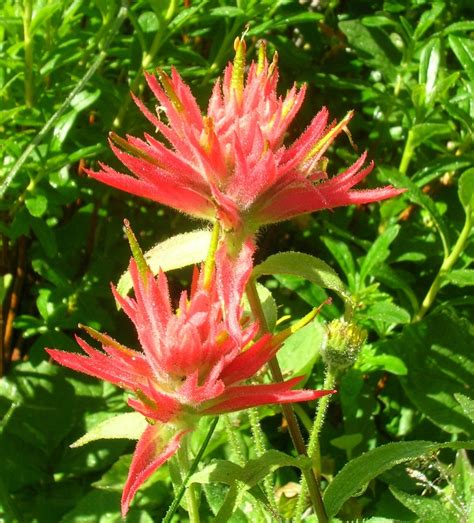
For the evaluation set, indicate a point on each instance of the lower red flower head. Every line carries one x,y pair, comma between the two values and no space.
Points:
189,365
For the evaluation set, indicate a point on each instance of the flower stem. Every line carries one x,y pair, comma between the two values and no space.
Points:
183,460
293,427
192,469
211,256
259,441
446,266
314,449
28,42
407,155
235,442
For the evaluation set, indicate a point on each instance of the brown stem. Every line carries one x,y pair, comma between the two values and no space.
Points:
14,300
293,427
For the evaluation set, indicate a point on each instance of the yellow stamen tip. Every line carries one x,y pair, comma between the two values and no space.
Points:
238,69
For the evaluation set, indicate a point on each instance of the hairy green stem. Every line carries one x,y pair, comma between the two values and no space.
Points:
192,469
293,427
54,118
446,266
191,495
314,449
211,255
259,441
234,441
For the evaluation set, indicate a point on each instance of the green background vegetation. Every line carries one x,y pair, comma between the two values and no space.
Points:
407,68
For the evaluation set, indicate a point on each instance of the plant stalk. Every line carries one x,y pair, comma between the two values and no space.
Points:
211,255
28,42
192,469
293,427
259,441
407,155
314,449
446,266
183,459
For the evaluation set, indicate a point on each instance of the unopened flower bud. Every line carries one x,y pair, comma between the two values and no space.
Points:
344,342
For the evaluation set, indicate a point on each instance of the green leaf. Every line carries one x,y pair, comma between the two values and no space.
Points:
39,417
175,252
226,11
467,405
438,353
101,506
463,481
463,49
466,188
458,27
378,252
387,312
347,442
36,205
66,122
429,65
148,22
429,510
343,256
301,350
373,46
460,277
244,478
427,19
421,133
356,475
45,236
5,282
369,361
130,425
304,266
252,472
416,195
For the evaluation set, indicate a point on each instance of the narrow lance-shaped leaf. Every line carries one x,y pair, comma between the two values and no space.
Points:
128,426
358,472
305,266
175,252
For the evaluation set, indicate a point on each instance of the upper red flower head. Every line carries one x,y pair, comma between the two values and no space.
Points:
189,365
232,164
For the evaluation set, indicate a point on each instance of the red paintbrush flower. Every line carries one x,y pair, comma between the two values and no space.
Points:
232,164
188,365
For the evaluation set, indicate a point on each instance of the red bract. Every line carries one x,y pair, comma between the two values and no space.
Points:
189,366
232,164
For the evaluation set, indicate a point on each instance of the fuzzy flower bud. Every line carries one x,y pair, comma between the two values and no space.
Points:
344,342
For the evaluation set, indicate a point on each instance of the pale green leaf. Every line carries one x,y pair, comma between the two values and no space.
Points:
461,277
301,350
124,426
175,252
466,188
304,266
